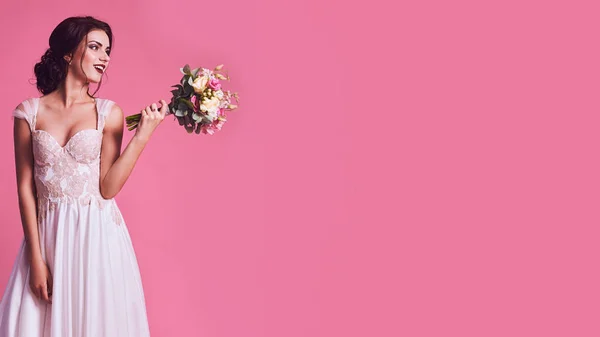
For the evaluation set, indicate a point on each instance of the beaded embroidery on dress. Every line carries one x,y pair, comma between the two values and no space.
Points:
97,288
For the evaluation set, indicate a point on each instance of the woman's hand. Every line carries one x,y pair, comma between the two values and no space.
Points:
151,118
40,280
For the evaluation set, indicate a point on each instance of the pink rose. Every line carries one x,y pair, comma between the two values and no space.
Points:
214,84
196,102
210,129
207,129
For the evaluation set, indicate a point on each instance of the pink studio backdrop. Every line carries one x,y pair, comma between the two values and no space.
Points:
427,168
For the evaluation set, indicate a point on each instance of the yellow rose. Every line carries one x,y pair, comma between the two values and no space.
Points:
200,84
210,105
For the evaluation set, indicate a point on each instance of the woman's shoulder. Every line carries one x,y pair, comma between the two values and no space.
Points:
26,107
103,99
28,101
105,105
111,112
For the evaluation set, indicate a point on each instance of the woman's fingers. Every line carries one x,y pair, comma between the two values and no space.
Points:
152,116
153,111
50,286
44,292
35,291
164,107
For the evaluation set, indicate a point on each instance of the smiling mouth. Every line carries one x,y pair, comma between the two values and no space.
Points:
99,68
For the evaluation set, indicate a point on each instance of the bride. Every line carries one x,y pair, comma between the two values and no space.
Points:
76,273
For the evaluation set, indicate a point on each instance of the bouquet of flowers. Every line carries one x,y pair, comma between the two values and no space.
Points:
199,103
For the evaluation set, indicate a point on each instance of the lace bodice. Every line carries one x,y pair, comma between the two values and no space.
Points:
69,173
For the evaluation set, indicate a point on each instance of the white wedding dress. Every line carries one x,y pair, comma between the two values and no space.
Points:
97,289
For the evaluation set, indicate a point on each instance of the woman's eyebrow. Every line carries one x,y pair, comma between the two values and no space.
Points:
99,44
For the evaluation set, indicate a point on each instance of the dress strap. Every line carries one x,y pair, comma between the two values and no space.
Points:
35,104
104,108
29,111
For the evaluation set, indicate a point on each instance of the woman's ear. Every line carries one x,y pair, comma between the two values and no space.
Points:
68,58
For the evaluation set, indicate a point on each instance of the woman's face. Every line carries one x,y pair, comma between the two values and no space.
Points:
95,57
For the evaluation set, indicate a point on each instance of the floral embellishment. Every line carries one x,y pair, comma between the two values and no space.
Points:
69,174
116,214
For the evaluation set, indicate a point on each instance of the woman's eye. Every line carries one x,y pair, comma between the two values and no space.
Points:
94,46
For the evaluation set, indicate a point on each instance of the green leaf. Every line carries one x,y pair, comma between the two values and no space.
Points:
188,90
181,105
178,91
189,124
184,80
187,102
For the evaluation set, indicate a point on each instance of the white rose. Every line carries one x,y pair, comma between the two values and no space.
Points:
200,84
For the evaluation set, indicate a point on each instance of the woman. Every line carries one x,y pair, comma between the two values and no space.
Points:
76,273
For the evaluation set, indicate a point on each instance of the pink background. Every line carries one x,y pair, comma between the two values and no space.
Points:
407,170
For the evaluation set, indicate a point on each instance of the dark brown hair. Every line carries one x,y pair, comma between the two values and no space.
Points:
51,71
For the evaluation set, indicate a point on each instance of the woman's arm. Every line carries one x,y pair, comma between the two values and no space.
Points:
26,186
115,167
